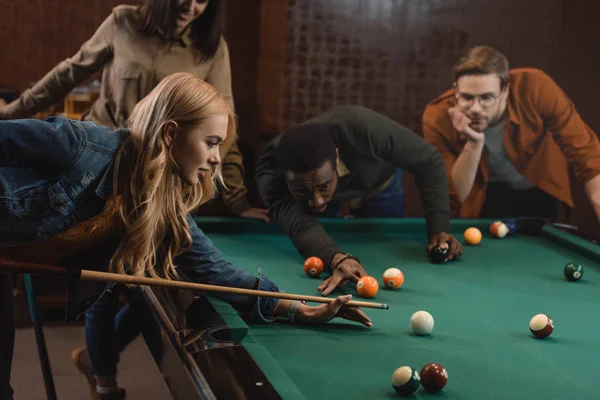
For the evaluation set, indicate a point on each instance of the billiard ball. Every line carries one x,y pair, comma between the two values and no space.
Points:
421,323
512,226
313,267
499,229
541,326
573,272
393,278
367,287
439,254
405,381
472,236
434,377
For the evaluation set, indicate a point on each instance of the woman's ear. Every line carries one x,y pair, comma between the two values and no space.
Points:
169,133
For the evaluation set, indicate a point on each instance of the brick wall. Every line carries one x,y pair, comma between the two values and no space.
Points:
396,55
38,34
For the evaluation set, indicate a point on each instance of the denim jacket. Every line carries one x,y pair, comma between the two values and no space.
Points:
57,173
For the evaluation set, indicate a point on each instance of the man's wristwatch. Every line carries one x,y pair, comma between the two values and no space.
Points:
346,256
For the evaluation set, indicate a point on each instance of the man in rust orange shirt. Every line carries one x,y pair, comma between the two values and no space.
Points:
508,138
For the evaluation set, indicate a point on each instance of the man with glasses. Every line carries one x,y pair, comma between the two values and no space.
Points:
508,138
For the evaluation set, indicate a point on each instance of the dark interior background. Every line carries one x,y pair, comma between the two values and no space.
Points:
293,59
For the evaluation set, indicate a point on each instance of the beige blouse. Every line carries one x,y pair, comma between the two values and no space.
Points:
133,64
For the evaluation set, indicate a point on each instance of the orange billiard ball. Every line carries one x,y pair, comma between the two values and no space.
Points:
393,278
313,267
472,236
367,287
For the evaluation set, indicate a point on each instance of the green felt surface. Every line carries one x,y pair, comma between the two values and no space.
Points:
482,305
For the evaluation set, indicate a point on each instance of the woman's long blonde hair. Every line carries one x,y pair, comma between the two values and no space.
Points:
154,202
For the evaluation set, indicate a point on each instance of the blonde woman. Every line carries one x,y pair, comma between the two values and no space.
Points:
71,187
136,47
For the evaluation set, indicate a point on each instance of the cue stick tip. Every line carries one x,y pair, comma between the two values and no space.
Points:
385,307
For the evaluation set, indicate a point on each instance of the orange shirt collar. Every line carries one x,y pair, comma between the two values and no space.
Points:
513,114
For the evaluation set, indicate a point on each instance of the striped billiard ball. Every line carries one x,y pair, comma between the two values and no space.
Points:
393,278
499,229
573,272
541,326
405,380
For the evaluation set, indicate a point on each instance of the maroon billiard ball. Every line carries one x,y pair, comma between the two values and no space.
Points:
434,377
541,326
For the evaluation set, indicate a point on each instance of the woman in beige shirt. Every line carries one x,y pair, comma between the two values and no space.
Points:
137,47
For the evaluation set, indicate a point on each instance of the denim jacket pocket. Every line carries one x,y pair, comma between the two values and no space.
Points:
40,202
60,200
32,207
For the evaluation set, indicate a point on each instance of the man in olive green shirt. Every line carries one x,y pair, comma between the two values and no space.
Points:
348,159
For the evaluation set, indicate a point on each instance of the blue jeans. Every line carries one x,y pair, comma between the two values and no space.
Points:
387,204
109,329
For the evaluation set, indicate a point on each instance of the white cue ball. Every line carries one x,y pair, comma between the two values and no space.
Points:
421,323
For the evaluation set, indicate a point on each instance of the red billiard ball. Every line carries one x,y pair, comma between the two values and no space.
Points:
541,326
499,229
313,267
434,377
367,287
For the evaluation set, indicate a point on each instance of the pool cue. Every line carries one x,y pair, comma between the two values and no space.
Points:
87,275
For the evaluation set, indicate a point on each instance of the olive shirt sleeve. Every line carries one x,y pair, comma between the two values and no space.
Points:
400,146
57,83
235,194
305,231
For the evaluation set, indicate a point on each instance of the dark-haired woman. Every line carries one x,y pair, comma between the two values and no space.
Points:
136,47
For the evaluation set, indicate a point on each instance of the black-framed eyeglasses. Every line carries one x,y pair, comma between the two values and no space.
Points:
486,100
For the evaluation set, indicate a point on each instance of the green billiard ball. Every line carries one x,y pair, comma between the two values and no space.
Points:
573,272
406,381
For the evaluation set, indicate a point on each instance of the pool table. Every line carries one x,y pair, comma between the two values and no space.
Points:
482,305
